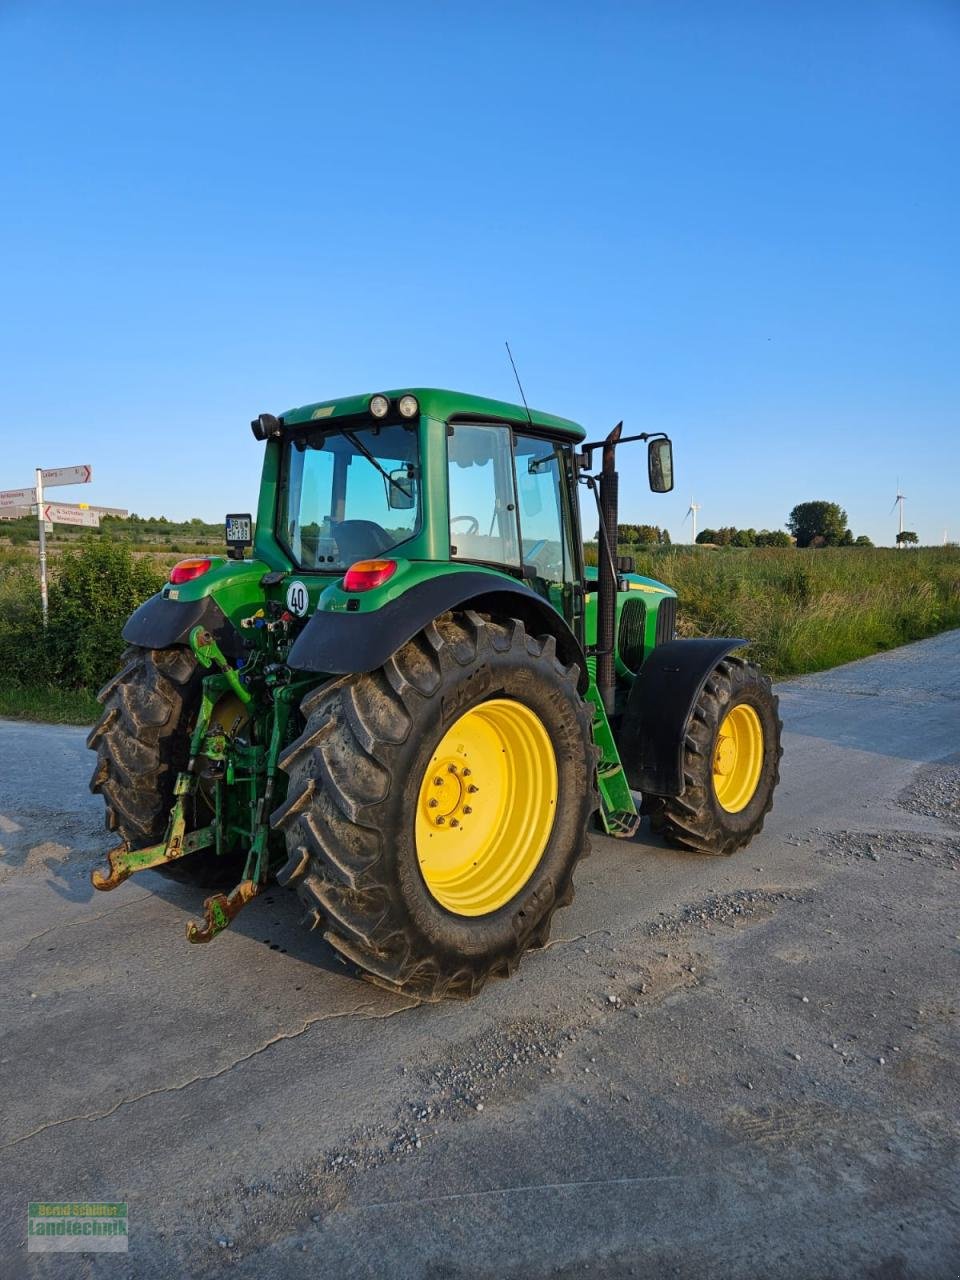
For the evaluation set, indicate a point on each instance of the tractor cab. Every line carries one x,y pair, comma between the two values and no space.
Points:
436,476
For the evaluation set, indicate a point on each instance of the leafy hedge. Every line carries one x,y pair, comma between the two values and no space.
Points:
96,587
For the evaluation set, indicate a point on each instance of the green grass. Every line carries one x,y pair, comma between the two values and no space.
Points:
54,706
801,610
807,610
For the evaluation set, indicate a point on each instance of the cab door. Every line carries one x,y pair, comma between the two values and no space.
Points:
548,549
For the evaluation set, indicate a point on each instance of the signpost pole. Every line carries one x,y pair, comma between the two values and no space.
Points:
43,547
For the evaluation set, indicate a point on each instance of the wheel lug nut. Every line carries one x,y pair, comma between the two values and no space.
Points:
438,782
454,822
433,803
466,773
473,787
440,822
451,768
467,809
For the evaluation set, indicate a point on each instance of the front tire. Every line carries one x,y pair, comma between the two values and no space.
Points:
430,919
731,764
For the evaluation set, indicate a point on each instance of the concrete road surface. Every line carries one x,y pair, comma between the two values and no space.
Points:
741,1067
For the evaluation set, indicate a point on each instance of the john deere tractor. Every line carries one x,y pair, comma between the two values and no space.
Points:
413,700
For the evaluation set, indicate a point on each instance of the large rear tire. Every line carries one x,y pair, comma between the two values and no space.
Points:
437,807
731,764
142,742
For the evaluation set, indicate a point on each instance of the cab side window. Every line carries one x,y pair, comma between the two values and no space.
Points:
483,501
544,526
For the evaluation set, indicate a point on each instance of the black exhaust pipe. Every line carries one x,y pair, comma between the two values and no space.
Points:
606,577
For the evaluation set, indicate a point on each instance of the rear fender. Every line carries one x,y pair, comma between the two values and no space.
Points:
341,643
161,623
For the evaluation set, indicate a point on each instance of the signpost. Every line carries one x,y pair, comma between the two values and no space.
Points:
54,477
21,502
18,497
61,513
67,475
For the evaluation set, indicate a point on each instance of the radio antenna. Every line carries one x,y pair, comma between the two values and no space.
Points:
519,383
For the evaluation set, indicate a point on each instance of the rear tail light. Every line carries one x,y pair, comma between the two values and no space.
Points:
366,574
187,569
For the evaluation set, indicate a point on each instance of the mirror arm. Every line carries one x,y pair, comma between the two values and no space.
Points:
585,456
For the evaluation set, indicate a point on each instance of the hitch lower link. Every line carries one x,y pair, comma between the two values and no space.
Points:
122,862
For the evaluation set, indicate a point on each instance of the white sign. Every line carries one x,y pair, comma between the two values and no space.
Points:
298,602
71,515
85,506
105,511
16,513
66,475
17,497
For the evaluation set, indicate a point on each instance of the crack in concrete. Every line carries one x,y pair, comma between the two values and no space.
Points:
580,937
69,924
529,1186
213,1075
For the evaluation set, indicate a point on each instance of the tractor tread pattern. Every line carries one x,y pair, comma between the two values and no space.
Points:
692,821
340,773
141,741
138,740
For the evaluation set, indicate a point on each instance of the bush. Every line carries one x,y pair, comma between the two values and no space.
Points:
94,588
98,586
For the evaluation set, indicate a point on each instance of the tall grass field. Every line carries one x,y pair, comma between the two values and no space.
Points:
806,610
801,610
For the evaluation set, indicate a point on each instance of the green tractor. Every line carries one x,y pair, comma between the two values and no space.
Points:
413,701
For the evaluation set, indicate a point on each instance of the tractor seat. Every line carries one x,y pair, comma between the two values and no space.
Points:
360,540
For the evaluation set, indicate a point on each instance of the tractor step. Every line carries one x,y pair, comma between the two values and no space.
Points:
618,813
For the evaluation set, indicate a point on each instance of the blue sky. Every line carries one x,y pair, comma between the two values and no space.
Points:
735,222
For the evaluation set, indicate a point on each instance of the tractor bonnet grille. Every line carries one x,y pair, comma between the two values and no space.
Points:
633,617
666,619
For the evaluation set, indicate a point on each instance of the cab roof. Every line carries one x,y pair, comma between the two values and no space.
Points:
442,405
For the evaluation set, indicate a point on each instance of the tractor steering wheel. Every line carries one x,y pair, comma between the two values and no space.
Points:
473,523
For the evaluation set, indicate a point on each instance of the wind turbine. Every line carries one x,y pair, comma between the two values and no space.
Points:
898,501
692,510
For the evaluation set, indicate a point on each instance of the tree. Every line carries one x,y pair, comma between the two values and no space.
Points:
819,523
665,538
773,538
907,536
862,541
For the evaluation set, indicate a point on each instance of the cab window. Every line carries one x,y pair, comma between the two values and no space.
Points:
544,528
483,500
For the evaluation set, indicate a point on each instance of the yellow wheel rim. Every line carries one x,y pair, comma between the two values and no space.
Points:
738,758
486,807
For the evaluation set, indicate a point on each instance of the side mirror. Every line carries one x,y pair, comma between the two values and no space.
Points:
401,490
660,465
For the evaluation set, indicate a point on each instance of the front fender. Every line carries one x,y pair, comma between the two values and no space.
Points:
342,643
662,700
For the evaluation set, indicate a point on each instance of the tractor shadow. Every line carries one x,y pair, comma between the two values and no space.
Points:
273,920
